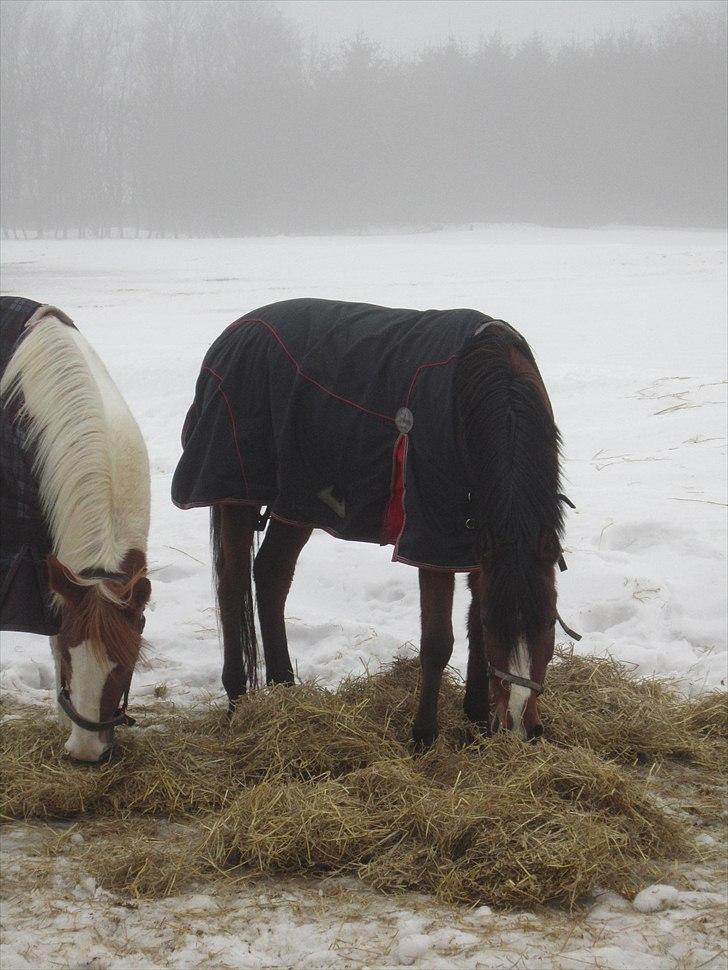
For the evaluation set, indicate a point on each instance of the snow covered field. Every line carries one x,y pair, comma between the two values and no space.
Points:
629,330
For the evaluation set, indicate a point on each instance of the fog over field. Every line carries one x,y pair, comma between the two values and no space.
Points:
227,118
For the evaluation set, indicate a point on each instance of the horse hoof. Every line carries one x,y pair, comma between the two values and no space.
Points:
477,713
233,705
283,681
479,717
423,738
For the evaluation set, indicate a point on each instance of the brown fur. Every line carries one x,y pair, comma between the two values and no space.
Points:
521,366
106,614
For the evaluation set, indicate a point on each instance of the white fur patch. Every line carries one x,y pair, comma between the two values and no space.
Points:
88,677
520,666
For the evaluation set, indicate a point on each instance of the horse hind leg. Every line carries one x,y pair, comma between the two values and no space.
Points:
436,596
273,570
232,528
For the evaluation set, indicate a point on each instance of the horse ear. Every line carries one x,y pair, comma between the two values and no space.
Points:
549,548
140,593
63,582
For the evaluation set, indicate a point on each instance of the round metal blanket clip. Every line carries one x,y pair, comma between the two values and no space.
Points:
403,420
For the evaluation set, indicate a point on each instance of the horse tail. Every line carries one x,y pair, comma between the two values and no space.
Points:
233,579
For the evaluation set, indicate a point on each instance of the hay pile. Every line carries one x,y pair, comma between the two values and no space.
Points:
311,781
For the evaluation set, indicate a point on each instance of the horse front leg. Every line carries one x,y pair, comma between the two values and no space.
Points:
232,528
476,704
436,596
63,718
273,569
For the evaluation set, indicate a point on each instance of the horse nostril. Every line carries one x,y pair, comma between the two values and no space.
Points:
535,733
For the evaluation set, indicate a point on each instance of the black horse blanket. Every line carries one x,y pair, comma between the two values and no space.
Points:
338,416
25,603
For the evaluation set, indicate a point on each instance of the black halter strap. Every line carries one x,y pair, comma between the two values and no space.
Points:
514,679
567,630
533,685
103,574
119,718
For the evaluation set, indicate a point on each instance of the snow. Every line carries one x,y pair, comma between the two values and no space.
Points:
655,898
338,923
629,329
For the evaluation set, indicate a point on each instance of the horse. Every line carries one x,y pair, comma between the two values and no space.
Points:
428,430
76,503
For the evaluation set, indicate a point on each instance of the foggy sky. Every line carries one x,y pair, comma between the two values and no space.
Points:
409,25
159,117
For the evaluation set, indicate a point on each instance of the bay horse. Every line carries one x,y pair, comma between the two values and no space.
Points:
75,503
428,430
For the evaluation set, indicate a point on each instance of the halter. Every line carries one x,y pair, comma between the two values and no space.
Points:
533,685
514,679
120,716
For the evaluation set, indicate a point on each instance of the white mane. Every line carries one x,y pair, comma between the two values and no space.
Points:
91,462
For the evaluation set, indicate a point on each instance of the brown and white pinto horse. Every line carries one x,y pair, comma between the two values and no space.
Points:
509,444
92,473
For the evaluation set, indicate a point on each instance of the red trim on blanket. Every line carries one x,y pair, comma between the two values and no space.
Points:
232,422
321,528
311,380
327,390
436,363
435,569
334,535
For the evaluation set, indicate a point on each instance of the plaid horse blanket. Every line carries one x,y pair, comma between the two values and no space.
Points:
25,603
338,416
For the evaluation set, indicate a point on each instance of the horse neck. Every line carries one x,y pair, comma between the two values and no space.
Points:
511,443
510,439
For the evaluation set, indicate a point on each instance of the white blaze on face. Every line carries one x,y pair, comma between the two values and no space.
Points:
88,677
520,666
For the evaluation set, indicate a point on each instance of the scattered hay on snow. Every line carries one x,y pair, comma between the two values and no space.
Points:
596,702
305,780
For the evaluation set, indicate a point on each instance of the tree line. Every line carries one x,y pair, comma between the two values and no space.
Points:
161,117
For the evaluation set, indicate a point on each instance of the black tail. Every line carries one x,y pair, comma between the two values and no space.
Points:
232,568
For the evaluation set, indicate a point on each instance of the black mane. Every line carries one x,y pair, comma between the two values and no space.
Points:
512,447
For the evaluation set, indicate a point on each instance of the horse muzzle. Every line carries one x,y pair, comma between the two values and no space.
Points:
91,742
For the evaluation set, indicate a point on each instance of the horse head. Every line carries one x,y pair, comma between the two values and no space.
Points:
507,428
518,614
97,648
